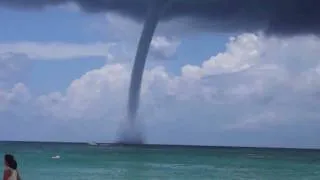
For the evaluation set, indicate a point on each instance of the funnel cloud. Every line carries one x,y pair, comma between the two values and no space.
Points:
273,17
140,60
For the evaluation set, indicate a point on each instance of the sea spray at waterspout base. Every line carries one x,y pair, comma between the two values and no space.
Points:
132,132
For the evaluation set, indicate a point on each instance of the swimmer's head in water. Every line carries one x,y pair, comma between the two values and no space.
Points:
10,161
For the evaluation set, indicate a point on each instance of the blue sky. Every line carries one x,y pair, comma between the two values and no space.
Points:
51,26
59,25
66,73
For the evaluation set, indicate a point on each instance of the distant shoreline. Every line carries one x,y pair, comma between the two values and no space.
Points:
115,144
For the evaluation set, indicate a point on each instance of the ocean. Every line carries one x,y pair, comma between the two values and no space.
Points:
84,162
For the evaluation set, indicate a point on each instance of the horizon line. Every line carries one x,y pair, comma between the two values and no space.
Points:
163,145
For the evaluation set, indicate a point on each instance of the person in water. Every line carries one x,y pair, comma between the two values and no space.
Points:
10,168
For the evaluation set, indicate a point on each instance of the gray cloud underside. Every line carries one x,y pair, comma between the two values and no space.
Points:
278,17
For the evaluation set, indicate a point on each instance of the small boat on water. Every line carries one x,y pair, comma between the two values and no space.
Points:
55,157
92,143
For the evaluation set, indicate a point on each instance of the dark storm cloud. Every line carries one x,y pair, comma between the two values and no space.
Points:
280,17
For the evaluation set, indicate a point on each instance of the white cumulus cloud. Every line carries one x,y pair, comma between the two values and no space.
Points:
163,47
258,85
11,99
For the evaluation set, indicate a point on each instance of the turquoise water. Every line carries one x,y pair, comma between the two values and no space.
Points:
83,162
